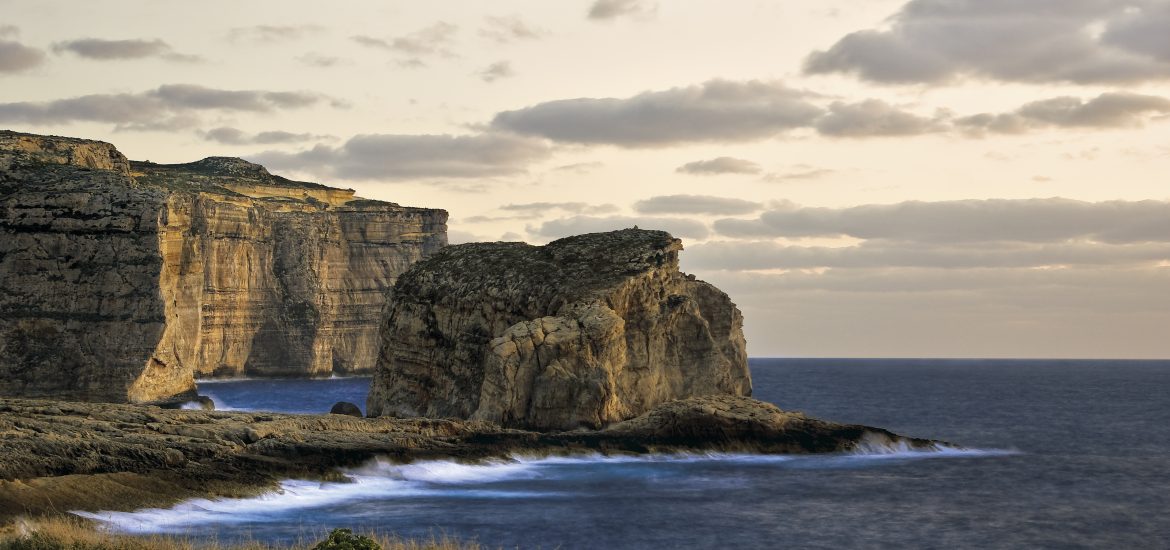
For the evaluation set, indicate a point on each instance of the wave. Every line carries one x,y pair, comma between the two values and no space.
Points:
519,477
219,404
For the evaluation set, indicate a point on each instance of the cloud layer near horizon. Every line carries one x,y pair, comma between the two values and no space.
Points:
174,104
1022,220
723,111
402,157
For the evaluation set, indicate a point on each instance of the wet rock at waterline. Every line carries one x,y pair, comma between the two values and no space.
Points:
346,408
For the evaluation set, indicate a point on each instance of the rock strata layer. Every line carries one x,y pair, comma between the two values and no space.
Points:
580,333
120,281
91,456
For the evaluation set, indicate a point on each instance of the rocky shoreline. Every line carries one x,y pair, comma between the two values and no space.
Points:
61,456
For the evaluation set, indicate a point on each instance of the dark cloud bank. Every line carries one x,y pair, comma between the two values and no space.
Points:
729,111
401,157
170,106
1081,41
108,50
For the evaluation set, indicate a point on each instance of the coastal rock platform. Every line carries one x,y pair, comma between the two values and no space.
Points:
61,456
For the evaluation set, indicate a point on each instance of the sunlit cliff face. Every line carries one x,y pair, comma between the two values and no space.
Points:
881,178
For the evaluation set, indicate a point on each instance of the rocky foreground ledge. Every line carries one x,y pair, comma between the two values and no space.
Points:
61,456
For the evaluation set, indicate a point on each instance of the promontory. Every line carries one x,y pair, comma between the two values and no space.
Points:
120,281
583,332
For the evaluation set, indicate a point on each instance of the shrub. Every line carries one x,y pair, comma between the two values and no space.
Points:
344,539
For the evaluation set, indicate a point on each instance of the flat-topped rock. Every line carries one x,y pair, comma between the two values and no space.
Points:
82,153
580,333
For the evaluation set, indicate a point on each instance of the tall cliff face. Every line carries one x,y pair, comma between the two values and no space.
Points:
582,332
121,280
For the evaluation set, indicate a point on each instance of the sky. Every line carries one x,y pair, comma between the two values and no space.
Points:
864,178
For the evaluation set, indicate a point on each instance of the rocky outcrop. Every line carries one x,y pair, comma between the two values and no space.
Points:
583,332
120,281
87,456
346,408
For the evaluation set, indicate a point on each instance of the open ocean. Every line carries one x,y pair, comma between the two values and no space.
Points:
1057,454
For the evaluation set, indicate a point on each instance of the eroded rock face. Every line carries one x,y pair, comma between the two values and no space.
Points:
582,332
121,280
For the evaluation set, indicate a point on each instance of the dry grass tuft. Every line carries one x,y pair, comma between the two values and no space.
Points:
78,534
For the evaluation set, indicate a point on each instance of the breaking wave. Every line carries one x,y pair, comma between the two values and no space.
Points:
522,477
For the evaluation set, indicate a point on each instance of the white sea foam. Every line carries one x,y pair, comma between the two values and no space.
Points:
383,480
874,445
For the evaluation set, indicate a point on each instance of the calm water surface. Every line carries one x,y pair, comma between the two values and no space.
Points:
1065,455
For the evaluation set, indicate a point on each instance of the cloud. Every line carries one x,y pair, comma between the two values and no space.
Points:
1012,271
800,172
537,209
406,157
9,31
16,57
234,136
871,118
576,225
1108,110
965,221
509,29
725,111
496,71
273,33
717,110
1080,41
696,204
412,49
922,312
719,165
769,255
1142,30
580,167
107,50
608,10
313,59
163,105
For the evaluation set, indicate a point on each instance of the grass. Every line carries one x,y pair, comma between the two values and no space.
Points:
78,534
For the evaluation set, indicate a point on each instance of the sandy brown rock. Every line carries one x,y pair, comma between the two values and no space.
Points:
119,281
582,332
67,456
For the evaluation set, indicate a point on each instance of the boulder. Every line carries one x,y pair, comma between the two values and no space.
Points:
346,408
580,333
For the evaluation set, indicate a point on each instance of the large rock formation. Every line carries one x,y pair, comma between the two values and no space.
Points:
582,332
121,280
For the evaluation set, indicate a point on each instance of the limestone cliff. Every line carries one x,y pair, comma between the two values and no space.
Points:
582,332
121,280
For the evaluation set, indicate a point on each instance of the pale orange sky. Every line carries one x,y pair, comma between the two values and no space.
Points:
1042,227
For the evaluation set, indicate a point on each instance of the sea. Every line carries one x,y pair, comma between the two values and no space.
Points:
1042,454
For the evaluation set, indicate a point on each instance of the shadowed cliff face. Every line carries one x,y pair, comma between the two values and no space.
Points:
119,281
582,332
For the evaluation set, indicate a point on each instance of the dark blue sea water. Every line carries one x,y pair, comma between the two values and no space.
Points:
1067,454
